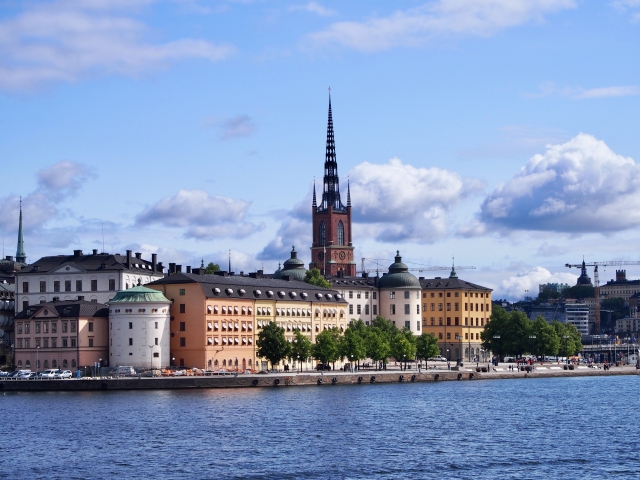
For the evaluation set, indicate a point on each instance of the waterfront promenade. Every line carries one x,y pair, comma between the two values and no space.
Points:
311,378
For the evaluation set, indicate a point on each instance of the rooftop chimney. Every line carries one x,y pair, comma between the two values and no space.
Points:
188,268
128,258
160,267
10,258
138,255
154,261
77,253
95,251
178,268
172,268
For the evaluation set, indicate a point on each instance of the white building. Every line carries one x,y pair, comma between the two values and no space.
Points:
362,295
139,329
95,278
400,297
578,315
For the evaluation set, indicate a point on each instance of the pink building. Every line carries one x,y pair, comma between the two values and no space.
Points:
66,335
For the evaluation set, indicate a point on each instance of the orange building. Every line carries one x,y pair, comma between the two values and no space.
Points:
63,335
456,312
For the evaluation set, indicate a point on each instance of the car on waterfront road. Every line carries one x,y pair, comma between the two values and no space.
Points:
437,359
63,374
50,373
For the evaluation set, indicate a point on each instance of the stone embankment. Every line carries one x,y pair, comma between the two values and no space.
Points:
282,380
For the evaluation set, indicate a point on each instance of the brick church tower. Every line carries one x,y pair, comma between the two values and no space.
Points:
332,247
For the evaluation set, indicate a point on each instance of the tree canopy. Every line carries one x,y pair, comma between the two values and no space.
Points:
314,277
212,268
427,346
327,346
272,344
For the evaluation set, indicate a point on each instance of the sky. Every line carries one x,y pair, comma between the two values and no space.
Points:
499,132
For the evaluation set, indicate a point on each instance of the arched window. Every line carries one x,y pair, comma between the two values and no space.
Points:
224,363
54,363
340,233
19,363
46,364
215,363
323,234
209,363
64,363
27,364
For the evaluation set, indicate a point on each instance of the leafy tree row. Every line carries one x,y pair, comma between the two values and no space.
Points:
378,341
513,333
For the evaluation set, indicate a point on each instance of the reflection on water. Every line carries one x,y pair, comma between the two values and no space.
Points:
525,428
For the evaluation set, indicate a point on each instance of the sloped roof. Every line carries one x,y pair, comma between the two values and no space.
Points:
90,262
450,284
139,294
72,308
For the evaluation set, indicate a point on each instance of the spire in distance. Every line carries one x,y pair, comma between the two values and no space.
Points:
453,273
348,194
314,204
21,257
331,190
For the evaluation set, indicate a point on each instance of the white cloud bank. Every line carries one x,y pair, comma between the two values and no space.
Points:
64,41
416,26
576,187
514,287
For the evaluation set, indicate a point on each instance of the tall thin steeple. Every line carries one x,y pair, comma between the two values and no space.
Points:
331,190
21,257
453,273
314,204
348,194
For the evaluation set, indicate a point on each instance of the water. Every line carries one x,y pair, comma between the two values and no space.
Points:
525,428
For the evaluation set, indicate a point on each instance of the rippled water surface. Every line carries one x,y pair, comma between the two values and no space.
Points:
546,428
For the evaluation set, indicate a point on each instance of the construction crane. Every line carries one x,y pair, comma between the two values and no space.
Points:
596,281
426,268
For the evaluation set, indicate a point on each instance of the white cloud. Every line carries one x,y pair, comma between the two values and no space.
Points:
400,203
578,186
204,216
64,178
69,41
529,279
416,26
578,93
313,7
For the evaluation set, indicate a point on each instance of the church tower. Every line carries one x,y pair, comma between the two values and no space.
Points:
332,247
21,257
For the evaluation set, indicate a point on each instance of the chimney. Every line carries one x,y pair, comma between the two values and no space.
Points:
178,268
221,273
77,253
154,261
138,255
197,271
10,258
188,268
128,258
95,251
160,267
172,268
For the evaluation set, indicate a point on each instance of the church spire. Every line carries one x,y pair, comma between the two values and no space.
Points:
331,190
314,204
21,257
348,194
453,273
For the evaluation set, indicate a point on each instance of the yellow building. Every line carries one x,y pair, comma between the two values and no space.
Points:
456,312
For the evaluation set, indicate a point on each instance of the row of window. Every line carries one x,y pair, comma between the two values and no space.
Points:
231,326
54,364
480,307
225,363
228,341
131,342
44,327
407,294
479,322
466,336
44,342
407,309
366,309
456,294
322,234
366,294
67,286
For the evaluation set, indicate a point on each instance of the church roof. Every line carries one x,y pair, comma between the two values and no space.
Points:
398,276
293,266
331,182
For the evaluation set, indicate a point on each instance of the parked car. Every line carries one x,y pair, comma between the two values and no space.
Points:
25,375
323,366
63,374
437,359
50,373
4,374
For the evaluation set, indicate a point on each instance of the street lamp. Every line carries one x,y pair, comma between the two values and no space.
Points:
99,365
151,358
351,362
299,364
37,359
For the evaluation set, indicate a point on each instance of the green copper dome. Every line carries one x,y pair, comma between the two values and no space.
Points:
139,294
294,267
398,276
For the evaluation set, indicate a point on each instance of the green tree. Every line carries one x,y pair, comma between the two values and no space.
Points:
579,291
377,345
352,345
403,346
427,347
569,338
326,348
314,277
492,334
212,268
546,340
272,344
386,327
507,332
301,348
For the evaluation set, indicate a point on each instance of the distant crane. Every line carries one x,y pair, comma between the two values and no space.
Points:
425,268
596,281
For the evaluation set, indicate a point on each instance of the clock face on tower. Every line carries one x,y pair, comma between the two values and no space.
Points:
342,255
320,256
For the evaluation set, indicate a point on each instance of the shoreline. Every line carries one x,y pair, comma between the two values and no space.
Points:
292,379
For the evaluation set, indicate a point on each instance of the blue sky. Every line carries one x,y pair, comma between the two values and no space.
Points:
501,132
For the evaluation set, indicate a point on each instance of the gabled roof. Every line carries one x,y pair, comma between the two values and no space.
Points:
450,284
72,309
249,288
88,263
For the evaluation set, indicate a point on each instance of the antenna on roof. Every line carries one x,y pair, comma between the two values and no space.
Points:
102,237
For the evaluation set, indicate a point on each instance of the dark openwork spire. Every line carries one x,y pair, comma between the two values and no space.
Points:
453,273
331,191
314,193
21,257
348,194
